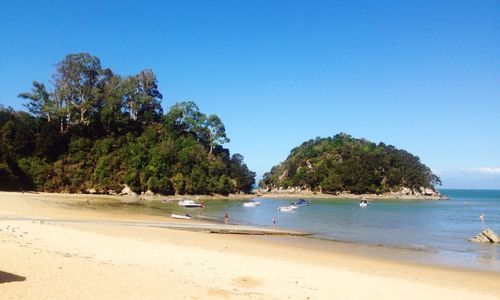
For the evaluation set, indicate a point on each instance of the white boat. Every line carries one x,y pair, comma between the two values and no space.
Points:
288,208
363,202
183,217
251,204
190,203
184,202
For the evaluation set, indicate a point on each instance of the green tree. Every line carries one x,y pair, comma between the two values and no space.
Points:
216,132
141,98
40,103
76,85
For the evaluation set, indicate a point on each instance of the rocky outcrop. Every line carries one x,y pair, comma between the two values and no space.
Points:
405,191
486,236
421,191
128,191
304,191
427,191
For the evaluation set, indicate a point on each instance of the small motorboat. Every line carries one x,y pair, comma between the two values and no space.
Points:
190,204
301,202
288,208
363,202
251,204
183,217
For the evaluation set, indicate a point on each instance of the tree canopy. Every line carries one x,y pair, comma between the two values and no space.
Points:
343,163
94,129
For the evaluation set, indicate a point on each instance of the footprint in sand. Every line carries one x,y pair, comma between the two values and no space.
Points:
247,282
218,293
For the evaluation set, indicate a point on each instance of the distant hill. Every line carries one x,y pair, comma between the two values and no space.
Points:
345,164
94,130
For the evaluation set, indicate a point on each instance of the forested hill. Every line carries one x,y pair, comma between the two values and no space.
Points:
94,129
346,164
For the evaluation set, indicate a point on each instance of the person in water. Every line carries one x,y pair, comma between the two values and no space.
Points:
226,217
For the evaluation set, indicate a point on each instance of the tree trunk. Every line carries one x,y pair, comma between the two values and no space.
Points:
82,115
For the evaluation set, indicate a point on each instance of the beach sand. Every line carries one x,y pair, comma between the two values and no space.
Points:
93,260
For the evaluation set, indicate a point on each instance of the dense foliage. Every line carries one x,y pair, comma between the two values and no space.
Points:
343,163
98,130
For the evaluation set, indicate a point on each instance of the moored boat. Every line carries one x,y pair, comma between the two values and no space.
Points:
190,204
183,217
301,202
288,208
251,204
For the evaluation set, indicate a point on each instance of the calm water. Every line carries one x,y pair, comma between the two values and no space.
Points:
440,227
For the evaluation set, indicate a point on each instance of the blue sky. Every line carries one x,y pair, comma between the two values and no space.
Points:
421,75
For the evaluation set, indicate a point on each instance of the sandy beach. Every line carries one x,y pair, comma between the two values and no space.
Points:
79,256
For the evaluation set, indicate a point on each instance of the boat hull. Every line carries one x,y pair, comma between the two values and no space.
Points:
251,204
194,205
287,208
182,217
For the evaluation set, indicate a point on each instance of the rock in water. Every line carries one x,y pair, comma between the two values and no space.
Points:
486,236
492,236
480,239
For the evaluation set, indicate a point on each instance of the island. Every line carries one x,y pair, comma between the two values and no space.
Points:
346,166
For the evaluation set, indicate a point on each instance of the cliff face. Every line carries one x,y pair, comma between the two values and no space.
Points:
344,164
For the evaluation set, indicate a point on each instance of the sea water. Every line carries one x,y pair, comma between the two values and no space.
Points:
440,227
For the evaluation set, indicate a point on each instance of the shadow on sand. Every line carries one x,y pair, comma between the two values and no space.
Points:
9,277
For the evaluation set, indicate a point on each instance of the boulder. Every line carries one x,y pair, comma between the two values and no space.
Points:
480,239
128,191
427,191
491,235
405,191
486,236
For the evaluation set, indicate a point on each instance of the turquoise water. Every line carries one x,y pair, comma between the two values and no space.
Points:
441,227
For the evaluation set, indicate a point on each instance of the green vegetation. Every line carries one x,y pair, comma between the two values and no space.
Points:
343,163
98,130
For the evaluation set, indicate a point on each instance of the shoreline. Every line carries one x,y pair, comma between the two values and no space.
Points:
347,196
61,261
268,195
81,260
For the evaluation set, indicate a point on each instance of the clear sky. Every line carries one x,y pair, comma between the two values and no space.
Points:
420,75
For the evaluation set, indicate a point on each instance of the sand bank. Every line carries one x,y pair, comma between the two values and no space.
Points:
69,260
